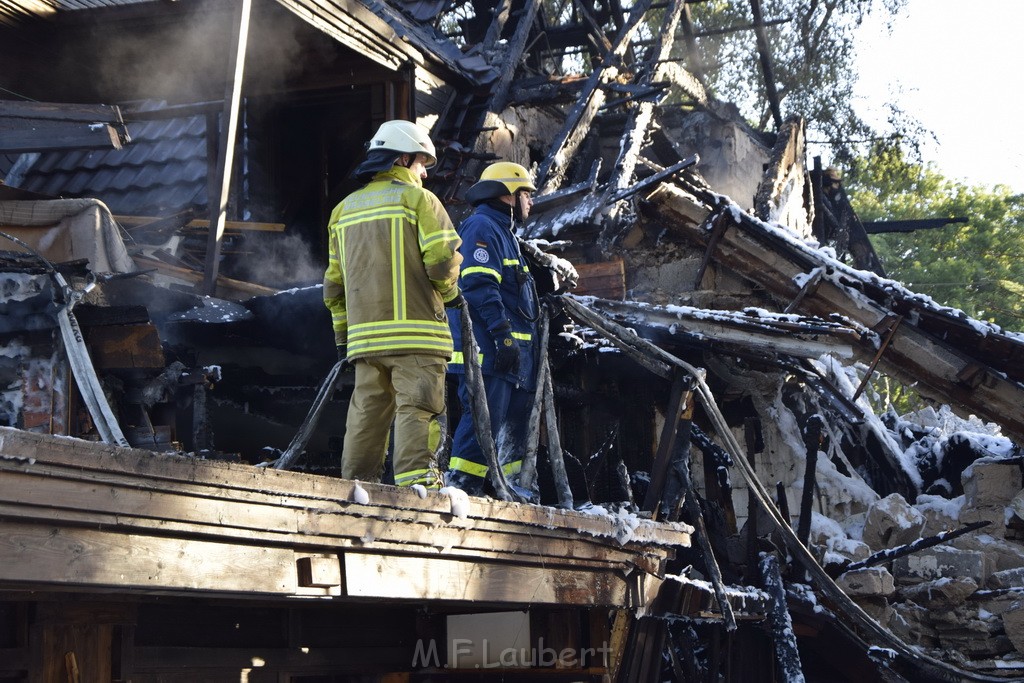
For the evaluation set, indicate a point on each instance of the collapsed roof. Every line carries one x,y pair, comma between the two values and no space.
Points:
693,254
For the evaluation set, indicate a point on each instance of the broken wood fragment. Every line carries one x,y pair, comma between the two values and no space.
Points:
719,223
659,177
883,556
811,284
889,326
577,122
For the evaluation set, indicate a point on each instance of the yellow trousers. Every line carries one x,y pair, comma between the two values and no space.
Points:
408,390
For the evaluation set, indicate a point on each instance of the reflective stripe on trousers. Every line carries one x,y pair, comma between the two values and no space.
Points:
409,390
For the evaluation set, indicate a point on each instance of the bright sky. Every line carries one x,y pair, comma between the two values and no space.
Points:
958,67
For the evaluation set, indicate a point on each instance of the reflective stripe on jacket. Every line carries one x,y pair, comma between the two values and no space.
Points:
499,292
393,261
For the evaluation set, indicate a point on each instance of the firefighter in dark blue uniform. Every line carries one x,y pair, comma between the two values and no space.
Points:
502,301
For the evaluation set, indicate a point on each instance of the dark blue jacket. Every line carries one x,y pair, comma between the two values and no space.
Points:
499,291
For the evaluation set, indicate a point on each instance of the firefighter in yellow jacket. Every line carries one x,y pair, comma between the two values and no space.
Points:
393,268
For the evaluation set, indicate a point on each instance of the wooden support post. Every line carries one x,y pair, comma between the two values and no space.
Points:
812,441
481,415
783,637
677,415
528,473
701,532
783,503
818,224
225,159
716,488
719,224
813,280
892,322
750,437
554,443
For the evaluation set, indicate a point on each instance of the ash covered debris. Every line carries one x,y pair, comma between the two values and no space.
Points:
700,243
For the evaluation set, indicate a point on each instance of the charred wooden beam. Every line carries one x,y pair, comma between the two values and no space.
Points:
514,54
480,412
47,126
812,442
652,180
577,122
717,488
889,554
787,655
915,356
678,414
750,426
528,471
301,438
888,326
23,135
639,122
692,507
881,227
555,455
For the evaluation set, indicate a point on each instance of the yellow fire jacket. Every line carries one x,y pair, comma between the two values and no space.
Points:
393,262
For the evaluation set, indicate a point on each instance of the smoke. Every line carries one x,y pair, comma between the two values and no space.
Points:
281,260
187,58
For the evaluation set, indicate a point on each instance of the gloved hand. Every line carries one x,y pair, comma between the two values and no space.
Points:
458,301
506,356
342,352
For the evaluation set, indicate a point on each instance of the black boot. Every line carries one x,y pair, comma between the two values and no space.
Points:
471,484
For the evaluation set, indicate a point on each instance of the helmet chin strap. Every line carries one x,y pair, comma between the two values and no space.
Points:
517,210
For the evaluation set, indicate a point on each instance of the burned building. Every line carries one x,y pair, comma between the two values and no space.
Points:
718,499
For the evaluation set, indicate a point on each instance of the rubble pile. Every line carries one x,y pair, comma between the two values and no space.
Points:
954,595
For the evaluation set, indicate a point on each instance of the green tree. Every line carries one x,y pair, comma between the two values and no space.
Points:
977,266
813,52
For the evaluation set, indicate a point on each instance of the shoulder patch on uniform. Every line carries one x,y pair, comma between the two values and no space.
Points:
481,256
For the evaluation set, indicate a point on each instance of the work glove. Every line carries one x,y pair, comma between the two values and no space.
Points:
506,356
342,352
458,301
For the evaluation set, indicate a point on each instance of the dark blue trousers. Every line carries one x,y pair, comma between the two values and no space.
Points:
509,408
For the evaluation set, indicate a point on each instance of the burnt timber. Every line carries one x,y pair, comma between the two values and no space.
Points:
148,564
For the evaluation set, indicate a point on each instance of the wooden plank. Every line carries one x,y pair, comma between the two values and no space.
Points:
47,495
226,153
914,356
227,477
126,347
415,578
54,556
606,279
225,285
85,113
126,510
201,225
17,136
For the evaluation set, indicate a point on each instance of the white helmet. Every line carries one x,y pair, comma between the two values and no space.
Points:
405,137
